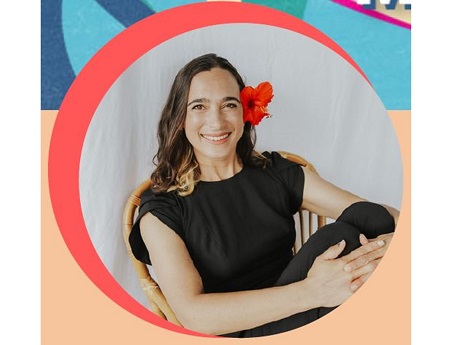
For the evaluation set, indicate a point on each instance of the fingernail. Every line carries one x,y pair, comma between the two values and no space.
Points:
347,268
353,287
381,243
341,243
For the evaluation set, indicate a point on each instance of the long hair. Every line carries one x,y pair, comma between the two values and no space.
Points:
176,164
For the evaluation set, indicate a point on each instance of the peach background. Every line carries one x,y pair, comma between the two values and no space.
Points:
75,311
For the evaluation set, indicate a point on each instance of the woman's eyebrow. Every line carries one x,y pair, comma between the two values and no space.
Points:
206,100
199,100
226,99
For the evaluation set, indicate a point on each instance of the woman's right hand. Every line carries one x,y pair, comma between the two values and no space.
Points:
330,282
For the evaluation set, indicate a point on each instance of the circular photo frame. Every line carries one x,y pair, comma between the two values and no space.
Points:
103,140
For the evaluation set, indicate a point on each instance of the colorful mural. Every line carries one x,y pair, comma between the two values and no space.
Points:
378,39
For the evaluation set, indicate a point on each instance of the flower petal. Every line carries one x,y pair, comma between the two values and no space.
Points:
264,93
247,94
255,102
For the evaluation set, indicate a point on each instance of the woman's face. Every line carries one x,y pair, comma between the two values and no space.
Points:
214,120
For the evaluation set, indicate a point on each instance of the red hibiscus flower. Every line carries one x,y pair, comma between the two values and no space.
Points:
255,102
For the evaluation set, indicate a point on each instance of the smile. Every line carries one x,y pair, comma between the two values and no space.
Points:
214,138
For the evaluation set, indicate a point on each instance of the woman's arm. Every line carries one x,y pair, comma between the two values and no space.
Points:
324,198
394,213
328,200
213,313
220,313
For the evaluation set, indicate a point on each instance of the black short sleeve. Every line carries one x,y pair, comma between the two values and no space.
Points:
292,176
163,206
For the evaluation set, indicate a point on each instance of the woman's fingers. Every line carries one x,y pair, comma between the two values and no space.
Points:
333,251
363,240
361,275
372,250
365,270
363,255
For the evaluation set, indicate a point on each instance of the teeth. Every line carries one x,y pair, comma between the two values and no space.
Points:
216,138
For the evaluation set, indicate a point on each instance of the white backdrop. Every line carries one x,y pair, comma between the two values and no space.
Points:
323,109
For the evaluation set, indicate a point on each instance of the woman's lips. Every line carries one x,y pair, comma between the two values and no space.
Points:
216,138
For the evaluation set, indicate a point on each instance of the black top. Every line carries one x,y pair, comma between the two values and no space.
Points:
239,231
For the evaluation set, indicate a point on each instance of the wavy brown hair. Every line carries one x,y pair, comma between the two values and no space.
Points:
176,165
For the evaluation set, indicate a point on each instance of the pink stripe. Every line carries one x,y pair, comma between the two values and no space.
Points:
351,4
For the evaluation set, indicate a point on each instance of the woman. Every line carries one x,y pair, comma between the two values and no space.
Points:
217,225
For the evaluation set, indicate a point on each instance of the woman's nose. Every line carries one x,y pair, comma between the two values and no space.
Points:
215,118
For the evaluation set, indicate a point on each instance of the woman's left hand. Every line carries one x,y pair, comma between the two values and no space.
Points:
370,259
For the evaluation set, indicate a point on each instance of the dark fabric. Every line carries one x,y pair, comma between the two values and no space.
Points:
371,219
375,220
240,231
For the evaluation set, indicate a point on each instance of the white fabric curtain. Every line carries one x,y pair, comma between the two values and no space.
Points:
323,110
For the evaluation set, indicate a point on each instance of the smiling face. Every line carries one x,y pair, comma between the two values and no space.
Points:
214,120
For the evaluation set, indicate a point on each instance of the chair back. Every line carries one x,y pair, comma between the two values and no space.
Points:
305,229
157,301
155,297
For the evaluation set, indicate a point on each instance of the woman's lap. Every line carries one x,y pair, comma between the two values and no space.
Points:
348,227
297,270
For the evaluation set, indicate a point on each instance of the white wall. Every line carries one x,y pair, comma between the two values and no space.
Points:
323,109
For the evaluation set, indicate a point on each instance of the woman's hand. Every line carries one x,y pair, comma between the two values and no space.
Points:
328,278
334,279
365,264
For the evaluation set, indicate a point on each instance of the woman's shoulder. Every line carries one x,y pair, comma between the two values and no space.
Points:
154,200
277,162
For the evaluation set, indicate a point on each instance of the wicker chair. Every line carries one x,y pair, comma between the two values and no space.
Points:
156,299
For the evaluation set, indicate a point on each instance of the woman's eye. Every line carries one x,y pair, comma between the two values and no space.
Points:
198,107
231,105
